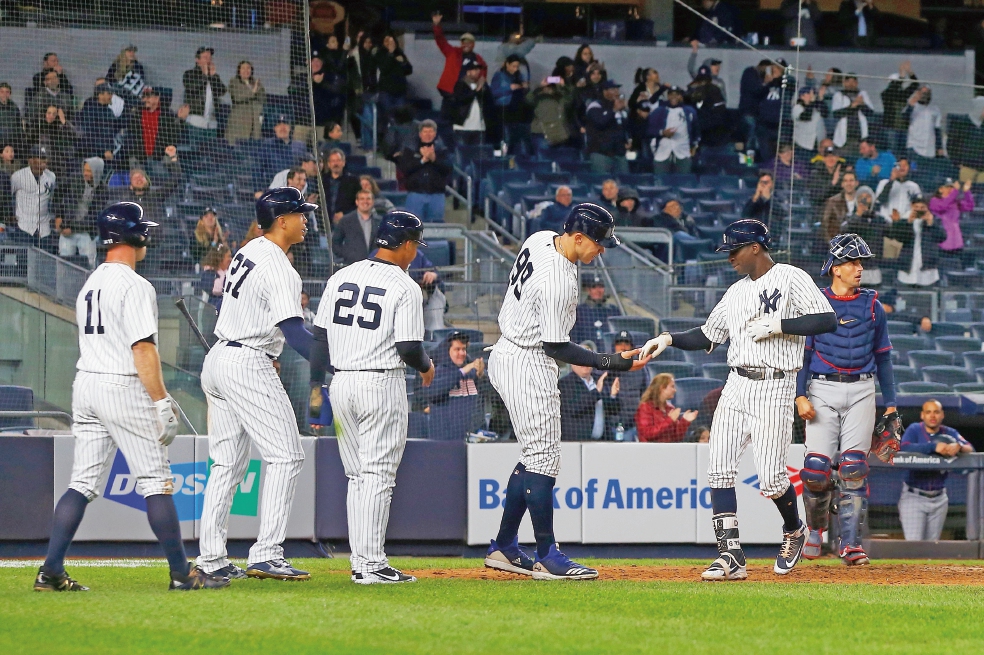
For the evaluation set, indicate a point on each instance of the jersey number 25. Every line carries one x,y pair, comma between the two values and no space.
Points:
522,271
349,303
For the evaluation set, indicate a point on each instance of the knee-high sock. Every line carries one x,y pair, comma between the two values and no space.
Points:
787,507
68,515
724,501
514,508
539,500
163,518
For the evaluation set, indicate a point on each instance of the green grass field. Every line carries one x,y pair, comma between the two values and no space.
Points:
130,611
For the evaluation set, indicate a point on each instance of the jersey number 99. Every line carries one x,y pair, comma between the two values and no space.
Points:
522,271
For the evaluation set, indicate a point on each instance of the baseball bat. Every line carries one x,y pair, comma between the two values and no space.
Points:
194,326
184,417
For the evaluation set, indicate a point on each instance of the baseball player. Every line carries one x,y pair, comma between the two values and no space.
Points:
371,319
766,315
535,320
119,401
247,403
840,369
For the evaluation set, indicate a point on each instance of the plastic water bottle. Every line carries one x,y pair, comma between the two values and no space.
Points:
750,158
619,433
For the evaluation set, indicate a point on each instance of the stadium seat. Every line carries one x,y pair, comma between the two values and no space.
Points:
553,178
398,198
577,168
957,344
676,369
638,338
969,387
973,360
977,330
947,374
696,193
713,232
442,334
716,370
634,179
439,252
901,328
963,315
677,180
642,324
16,399
903,344
691,391
979,372
565,154
716,206
945,329
700,357
719,181
923,388
388,185
688,248
906,374
679,324
920,358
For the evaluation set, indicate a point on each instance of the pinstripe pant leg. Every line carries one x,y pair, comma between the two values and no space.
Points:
228,448
729,436
93,445
772,432
344,401
131,419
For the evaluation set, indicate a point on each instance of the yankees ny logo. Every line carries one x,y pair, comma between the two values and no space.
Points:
770,303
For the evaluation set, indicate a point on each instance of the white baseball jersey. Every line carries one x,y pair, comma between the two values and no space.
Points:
366,309
784,290
541,299
262,289
115,309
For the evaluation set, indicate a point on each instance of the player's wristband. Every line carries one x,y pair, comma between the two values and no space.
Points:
612,362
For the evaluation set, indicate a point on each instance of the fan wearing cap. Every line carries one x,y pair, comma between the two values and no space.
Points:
535,321
766,316
33,188
774,98
97,124
454,396
713,68
152,128
202,90
454,58
632,383
606,121
716,127
467,104
591,322
840,368
674,133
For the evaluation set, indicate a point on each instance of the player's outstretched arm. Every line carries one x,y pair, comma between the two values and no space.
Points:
763,327
693,339
319,365
297,336
147,361
412,352
571,353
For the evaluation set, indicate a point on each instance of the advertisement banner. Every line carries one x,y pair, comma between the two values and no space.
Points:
119,512
639,493
489,466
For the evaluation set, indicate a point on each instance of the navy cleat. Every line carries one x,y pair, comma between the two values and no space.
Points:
791,549
197,579
61,582
509,558
231,571
387,575
276,569
558,566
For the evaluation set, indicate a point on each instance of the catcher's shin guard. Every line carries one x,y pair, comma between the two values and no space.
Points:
853,499
817,487
730,565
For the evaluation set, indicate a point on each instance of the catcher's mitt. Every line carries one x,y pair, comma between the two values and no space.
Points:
887,438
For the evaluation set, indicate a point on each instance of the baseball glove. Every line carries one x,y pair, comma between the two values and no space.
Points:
887,438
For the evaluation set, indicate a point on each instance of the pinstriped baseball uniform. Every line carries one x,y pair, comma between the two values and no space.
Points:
367,308
247,402
540,305
760,411
115,309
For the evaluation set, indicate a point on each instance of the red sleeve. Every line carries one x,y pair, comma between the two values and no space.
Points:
442,43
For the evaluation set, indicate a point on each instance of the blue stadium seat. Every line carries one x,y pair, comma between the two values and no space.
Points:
356,161
553,178
957,344
977,330
949,375
700,357
921,358
902,328
679,323
676,369
973,360
577,168
719,182
716,370
677,180
634,179
697,193
398,198
964,315
905,374
712,232
515,191
922,388
969,387
652,191
439,251
945,329
16,399
691,391
642,324
638,338
979,372
564,154
903,344
388,185
717,206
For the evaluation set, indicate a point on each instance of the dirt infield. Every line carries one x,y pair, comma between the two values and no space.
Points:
885,574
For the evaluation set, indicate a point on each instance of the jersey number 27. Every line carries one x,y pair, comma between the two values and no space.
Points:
522,271
246,266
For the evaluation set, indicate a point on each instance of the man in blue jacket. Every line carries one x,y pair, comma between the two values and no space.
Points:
674,132
606,123
98,125
748,100
454,396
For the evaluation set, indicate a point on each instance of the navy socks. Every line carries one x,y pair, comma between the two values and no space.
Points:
163,518
514,508
539,499
787,507
724,501
68,516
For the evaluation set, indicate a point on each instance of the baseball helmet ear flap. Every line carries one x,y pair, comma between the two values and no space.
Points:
397,227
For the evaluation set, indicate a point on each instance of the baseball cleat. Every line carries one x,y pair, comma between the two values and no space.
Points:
509,558
197,579
854,556
387,575
725,567
61,582
813,545
231,571
558,566
276,569
791,549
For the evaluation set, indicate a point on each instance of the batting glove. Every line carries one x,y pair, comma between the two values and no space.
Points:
764,327
656,346
169,422
315,402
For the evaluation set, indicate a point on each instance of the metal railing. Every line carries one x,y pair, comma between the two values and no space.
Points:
467,198
54,277
520,217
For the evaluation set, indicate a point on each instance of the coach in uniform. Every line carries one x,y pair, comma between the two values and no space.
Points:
840,369
119,401
247,403
371,320
923,504
765,315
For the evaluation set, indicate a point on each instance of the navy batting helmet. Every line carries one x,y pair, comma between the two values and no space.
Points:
845,248
744,232
124,222
279,202
398,227
594,222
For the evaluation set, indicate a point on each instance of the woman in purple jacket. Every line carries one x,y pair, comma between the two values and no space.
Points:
950,200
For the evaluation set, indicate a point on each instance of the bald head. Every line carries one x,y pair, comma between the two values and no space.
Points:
932,414
564,195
